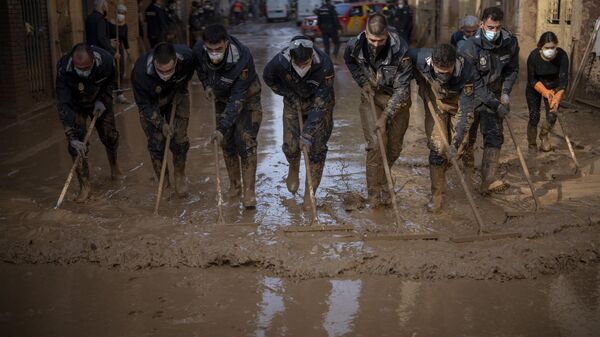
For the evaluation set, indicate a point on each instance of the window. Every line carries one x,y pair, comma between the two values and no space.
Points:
357,11
553,15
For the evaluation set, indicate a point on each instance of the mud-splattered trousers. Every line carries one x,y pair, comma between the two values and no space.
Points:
389,78
180,143
240,138
291,131
76,97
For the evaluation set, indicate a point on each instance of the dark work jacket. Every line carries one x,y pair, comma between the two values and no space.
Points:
123,35
458,39
497,66
96,32
156,21
151,92
316,86
74,93
327,18
232,81
403,22
392,75
460,88
553,74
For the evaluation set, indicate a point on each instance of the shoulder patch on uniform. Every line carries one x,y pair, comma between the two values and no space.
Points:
468,89
406,61
244,74
158,89
81,87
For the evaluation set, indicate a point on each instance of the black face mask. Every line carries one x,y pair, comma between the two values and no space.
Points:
443,78
374,51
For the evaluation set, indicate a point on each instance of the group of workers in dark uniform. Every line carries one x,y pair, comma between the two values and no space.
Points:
467,88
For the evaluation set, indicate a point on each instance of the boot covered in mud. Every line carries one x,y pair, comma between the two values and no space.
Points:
316,172
157,165
293,180
531,138
181,188
235,176
83,176
544,137
115,170
249,178
489,168
437,174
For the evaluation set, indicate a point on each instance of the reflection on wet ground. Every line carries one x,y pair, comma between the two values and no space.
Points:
49,301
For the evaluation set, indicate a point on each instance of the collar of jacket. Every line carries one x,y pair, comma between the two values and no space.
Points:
362,39
481,41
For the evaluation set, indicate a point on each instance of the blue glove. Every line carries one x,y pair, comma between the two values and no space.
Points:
305,141
99,108
79,147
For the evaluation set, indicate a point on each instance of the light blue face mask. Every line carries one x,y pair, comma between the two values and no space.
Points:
83,73
491,36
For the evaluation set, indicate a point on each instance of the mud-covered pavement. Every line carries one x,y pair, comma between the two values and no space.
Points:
116,229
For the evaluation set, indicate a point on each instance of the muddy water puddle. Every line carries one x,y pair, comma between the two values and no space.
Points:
85,300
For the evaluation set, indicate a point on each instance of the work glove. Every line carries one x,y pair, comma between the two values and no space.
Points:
381,123
502,111
541,88
217,136
167,130
367,90
556,98
505,99
209,93
79,147
452,152
99,108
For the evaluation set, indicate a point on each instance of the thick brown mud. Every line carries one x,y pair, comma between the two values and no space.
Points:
116,228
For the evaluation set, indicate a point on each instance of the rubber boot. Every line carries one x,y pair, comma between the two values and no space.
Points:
181,188
489,167
115,171
157,165
544,139
292,181
234,172
316,172
249,178
531,138
437,174
83,175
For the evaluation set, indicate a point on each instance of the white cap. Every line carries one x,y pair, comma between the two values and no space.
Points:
469,21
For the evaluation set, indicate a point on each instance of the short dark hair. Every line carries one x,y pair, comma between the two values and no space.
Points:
377,24
547,37
493,13
215,33
443,55
82,47
164,53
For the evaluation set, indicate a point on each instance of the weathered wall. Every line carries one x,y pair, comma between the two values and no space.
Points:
585,13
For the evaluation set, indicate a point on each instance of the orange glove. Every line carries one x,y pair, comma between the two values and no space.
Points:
556,100
541,88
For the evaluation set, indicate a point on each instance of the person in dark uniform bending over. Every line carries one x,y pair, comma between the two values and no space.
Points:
494,52
226,69
160,79
378,63
547,78
304,76
445,80
84,85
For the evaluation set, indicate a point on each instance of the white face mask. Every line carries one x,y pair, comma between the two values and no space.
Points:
549,53
301,71
491,36
166,77
83,73
215,56
120,17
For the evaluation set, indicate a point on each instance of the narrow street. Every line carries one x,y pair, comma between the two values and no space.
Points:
204,280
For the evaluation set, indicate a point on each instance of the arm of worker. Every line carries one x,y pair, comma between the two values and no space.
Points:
66,111
563,73
103,36
322,99
105,95
147,101
355,70
531,78
511,70
401,93
273,80
124,36
237,97
467,105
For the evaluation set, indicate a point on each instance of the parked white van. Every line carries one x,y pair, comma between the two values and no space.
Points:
278,10
306,8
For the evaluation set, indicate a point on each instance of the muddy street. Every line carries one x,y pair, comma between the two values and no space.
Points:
110,260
